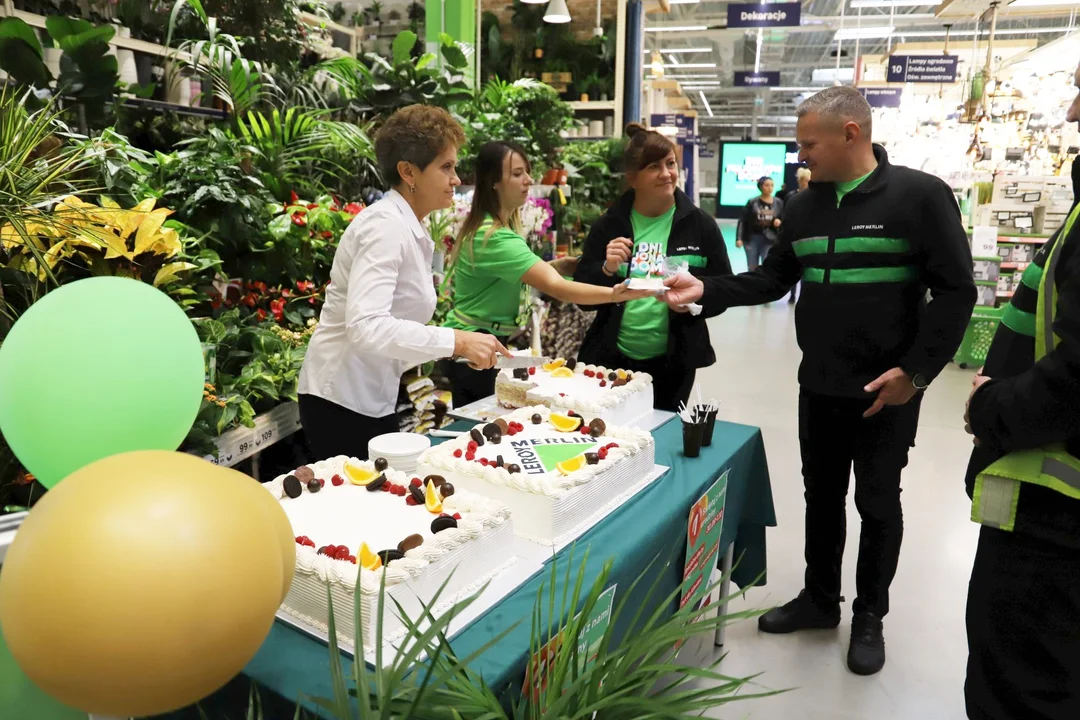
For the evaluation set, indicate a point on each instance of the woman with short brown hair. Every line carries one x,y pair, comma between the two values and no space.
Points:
381,296
652,226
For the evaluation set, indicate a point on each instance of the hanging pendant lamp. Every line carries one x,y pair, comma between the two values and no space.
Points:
557,12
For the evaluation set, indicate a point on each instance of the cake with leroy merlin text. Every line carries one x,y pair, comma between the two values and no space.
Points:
554,471
360,523
619,396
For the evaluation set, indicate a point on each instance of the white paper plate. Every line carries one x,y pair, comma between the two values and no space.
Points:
398,445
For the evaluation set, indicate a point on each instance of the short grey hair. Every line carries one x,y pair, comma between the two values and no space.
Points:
802,172
843,102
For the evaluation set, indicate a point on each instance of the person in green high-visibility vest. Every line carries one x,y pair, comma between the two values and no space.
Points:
1023,612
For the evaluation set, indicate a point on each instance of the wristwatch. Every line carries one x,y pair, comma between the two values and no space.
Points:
918,380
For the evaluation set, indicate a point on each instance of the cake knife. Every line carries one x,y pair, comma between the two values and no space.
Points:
518,361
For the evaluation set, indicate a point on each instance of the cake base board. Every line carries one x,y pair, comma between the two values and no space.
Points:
525,563
487,409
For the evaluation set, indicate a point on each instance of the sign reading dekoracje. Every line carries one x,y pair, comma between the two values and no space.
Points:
745,78
751,15
922,68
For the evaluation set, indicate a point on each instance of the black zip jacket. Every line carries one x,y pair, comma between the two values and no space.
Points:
1028,404
866,266
695,237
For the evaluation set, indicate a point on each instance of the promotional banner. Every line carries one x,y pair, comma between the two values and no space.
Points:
922,68
703,531
754,15
596,626
757,79
742,164
882,97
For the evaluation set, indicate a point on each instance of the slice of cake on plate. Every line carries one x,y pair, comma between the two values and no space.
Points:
620,396
554,471
360,517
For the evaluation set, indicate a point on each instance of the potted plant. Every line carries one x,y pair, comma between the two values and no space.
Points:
590,85
538,51
375,12
337,12
417,14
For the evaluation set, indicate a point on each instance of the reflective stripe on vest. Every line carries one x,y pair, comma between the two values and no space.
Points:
997,488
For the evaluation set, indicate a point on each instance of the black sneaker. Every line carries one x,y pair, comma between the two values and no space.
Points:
866,654
802,613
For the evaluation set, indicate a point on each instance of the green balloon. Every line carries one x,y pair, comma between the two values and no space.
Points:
99,367
21,698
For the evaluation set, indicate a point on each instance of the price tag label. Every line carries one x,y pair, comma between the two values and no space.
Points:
241,443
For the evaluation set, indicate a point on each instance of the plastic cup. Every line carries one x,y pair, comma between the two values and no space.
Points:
703,413
692,436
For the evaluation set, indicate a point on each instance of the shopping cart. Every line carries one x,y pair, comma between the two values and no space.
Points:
980,333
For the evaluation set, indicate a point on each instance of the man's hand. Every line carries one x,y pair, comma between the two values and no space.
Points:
618,252
738,243
892,388
565,266
682,289
976,382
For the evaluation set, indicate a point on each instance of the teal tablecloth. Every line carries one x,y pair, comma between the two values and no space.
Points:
652,522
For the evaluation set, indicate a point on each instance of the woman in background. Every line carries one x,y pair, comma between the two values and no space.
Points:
493,267
652,226
760,220
373,326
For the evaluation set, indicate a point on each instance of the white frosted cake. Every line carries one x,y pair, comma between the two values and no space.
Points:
554,471
352,516
619,396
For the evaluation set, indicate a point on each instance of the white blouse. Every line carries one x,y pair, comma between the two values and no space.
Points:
373,325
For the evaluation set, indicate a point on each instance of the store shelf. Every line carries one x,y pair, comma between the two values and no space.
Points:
593,105
241,443
149,48
8,525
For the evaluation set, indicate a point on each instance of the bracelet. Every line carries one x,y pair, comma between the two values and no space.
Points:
603,269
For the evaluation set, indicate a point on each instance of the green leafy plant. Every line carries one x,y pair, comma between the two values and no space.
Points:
403,80
303,239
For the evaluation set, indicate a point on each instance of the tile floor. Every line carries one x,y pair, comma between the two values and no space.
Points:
755,378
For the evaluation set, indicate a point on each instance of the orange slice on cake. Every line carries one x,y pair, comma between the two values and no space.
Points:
563,372
566,467
368,559
554,364
358,475
564,423
432,501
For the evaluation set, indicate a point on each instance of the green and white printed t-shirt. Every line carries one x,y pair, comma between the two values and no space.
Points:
643,334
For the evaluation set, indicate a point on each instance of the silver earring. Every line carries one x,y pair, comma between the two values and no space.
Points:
412,189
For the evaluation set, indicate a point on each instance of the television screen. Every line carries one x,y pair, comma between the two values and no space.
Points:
742,163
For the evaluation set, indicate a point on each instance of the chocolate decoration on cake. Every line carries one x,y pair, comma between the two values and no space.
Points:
381,464
413,541
597,427
446,490
496,438
305,474
503,427
571,364
438,480
499,461
314,485
389,555
417,494
619,382
377,483
513,468
491,430
477,436
591,458
536,419
521,374
612,376
292,486
444,522
324,550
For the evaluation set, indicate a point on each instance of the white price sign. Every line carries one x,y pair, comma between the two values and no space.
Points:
241,443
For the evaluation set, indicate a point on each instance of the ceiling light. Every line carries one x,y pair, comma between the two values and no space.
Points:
683,50
864,33
701,83
891,3
1038,3
670,28
694,76
557,12
674,60
683,2
683,66
708,108
982,33
806,88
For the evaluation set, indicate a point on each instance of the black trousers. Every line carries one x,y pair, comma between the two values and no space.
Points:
333,430
672,383
833,437
1023,624
466,384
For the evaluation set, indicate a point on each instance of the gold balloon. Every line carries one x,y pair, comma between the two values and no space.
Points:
141,584
283,531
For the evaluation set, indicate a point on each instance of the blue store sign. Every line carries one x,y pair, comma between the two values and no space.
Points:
922,68
753,15
882,97
757,79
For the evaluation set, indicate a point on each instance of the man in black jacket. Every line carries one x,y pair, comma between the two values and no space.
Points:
867,239
1023,613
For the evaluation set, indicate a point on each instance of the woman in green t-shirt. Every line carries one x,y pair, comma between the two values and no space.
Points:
493,267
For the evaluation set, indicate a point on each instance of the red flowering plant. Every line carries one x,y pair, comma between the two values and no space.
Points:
301,240
292,307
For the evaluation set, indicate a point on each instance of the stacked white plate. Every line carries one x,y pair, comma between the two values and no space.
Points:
401,450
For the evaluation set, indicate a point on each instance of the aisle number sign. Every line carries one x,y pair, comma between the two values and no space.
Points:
703,532
922,68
